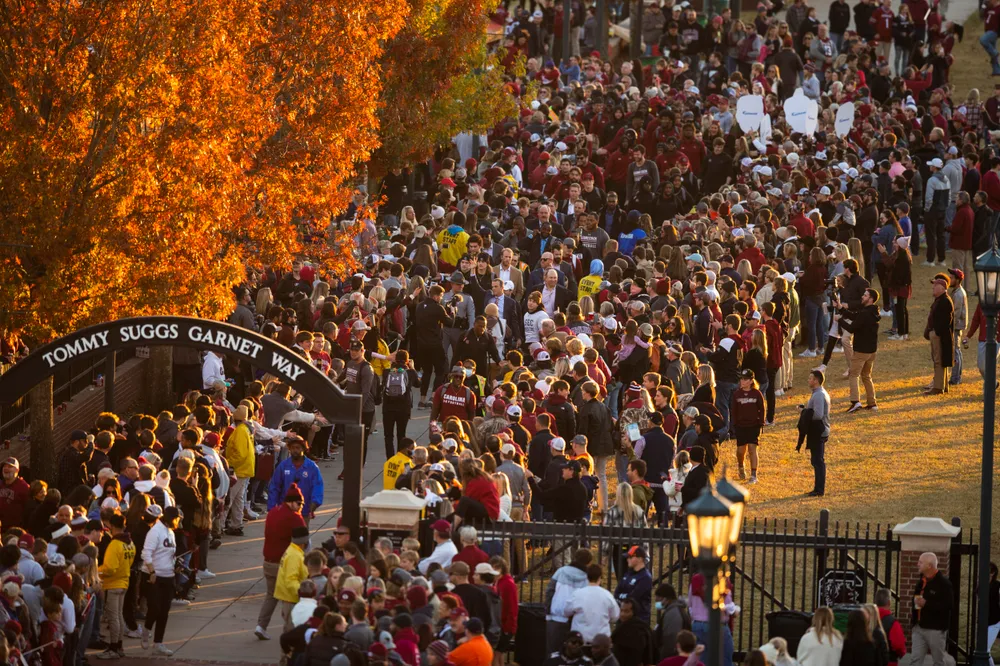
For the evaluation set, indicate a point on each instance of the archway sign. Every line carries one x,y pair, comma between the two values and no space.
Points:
227,339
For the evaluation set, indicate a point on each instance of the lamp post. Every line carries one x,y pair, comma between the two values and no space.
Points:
988,281
709,530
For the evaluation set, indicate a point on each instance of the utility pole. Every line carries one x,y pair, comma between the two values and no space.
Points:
566,44
635,29
602,28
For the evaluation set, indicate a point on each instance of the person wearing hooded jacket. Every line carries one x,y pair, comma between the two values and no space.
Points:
564,582
241,456
863,324
115,571
158,556
591,284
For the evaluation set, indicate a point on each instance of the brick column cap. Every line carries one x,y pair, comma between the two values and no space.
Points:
924,534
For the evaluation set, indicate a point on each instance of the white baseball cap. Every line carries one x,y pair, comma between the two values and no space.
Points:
513,410
449,443
559,444
610,323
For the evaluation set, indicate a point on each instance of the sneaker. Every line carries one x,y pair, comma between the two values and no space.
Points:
120,651
261,634
838,350
743,474
809,353
886,313
234,531
251,514
109,654
160,648
206,575
904,337
768,423
752,480
894,337
145,638
214,544
855,406
779,392
181,602
820,368
872,408
927,263
133,633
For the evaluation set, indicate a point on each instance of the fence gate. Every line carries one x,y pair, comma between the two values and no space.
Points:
779,565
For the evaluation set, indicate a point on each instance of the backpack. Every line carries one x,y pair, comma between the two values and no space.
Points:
396,385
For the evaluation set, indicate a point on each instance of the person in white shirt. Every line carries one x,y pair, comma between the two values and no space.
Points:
212,370
593,609
445,549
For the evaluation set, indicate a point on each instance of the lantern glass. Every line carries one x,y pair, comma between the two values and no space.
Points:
987,269
709,520
736,495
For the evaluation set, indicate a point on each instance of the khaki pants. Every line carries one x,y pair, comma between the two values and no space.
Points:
928,641
960,259
114,605
286,615
786,373
237,503
883,48
847,342
940,372
270,603
861,368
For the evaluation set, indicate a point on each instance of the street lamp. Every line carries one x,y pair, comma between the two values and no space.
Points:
988,280
710,520
736,495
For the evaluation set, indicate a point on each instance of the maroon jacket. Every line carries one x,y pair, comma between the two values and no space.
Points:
961,228
13,497
278,531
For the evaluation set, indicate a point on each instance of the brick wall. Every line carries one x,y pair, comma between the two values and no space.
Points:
82,410
909,576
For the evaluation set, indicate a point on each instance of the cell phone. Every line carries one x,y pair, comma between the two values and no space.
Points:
632,430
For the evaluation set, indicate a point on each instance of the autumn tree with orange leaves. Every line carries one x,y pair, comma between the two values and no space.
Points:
152,150
440,80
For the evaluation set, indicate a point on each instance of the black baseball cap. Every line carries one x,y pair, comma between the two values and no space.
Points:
746,373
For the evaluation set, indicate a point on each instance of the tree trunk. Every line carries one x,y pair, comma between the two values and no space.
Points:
43,460
159,379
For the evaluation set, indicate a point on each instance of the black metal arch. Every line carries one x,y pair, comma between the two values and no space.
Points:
332,402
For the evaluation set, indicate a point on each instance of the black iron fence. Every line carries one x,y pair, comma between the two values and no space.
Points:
69,379
782,570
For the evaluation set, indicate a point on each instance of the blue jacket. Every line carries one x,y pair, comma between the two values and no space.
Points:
637,586
307,475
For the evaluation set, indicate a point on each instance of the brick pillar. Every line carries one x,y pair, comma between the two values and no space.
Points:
918,536
43,461
159,393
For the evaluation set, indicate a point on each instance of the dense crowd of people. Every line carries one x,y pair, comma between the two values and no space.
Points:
616,281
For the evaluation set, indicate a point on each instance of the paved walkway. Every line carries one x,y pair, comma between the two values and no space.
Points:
219,625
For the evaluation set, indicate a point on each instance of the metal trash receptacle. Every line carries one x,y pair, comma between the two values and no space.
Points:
530,635
790,625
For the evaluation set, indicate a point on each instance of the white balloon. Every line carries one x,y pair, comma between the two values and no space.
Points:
812,117
749,111
845,119
796,110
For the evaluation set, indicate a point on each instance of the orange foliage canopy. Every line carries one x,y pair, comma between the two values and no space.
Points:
151,150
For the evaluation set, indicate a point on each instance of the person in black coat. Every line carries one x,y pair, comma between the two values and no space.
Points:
859,648
658,454
938,332
558,404
632,640
567,501
698,478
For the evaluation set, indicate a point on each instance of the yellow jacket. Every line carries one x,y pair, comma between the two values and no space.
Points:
380,365
589,286
291,572
393,469
117,565
240,451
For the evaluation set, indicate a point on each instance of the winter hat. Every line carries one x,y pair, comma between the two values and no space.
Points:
903,242
63,581
300,535
416,596
294,494
439,649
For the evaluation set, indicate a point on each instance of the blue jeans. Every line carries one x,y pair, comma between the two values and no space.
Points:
816,323
816,457
612,402
902,58
723,397
700,630
989,44
956,368
621,466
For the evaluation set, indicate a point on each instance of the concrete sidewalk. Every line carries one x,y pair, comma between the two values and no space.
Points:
219,625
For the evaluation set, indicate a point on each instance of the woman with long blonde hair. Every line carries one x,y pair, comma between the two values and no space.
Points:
822,643
264,301
623,513
857,254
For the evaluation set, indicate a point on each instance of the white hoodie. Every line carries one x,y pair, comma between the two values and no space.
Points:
159,550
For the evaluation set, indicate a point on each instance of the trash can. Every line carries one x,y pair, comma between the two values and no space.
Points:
840,613
790,625
530,635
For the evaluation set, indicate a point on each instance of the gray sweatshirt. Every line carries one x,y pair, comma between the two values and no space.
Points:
819,402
